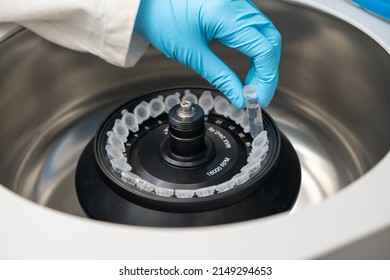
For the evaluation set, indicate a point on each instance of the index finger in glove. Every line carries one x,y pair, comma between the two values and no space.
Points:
264,51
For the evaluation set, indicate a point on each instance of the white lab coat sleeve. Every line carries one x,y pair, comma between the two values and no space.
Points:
101,27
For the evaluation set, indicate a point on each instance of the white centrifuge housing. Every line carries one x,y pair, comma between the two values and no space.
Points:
332,103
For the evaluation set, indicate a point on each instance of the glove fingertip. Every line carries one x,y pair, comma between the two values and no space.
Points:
239,102
265,94
264,101
251,78
235,96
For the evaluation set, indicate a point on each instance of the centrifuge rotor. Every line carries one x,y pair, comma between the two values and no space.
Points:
186,166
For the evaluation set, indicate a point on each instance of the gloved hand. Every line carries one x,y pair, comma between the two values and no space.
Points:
182,29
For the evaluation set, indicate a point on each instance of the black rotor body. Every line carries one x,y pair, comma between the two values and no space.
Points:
105,196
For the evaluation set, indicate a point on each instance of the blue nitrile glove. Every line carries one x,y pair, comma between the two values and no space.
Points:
182,29
379,7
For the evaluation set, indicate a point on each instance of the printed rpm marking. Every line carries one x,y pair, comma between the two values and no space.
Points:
227,145
223,164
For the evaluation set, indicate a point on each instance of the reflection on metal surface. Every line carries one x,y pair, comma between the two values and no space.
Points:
332,103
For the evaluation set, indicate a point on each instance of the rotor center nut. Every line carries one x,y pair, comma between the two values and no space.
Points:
186,110
187,145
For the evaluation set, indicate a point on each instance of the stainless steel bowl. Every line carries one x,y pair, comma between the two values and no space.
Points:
332,102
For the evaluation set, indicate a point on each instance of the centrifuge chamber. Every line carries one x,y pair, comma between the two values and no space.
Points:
332,103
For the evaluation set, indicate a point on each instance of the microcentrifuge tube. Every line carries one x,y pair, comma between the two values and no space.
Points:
120,165
189,96
260,140
114,152
205,191
144,185
253,110
241,177
258,153
163,191
225,186
115,141
222,106
121,130
251,167
235,114
130,121
129,177
184,193
244,122
142,112
157,106
171,100
206,101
